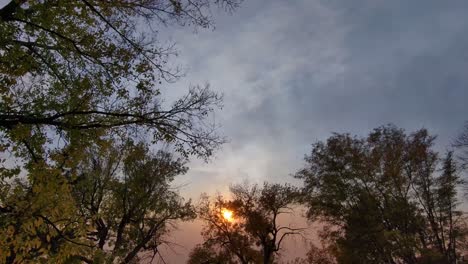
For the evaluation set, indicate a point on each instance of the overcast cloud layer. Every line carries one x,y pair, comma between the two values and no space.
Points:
292,72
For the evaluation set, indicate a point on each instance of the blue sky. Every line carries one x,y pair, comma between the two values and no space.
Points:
293,72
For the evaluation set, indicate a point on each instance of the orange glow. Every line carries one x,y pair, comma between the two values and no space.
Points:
227,215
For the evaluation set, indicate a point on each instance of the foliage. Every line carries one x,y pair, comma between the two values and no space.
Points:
77,79
208,254
129,200
461,143
384,191
123,206
74,68
316,255
255,234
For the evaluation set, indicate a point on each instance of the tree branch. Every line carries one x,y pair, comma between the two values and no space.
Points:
7,12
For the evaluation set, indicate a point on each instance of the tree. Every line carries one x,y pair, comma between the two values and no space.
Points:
125,206
447,215
84,74
204,254
384,192
223,236
461,143
254,235
132,210
316,255
91,65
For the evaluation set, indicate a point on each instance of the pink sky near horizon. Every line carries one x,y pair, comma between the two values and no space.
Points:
188,234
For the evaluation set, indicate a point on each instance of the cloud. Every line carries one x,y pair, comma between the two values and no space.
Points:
293,72
253,62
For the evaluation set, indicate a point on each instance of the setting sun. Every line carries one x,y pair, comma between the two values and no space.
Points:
228,215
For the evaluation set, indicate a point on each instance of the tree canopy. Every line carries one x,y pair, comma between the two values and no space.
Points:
90,64
390,197
255,233
126,195
80,89
461,144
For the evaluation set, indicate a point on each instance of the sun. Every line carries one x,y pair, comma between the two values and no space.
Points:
227,215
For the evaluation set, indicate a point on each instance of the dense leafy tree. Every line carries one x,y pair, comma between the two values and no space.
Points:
209,254
316,255
224,237
385,197
124,206
127,201
78,77
254,234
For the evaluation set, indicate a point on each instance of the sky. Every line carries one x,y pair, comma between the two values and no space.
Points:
293,72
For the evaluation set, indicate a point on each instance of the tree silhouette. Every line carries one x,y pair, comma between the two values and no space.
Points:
386,197
461,143
316,255
255,235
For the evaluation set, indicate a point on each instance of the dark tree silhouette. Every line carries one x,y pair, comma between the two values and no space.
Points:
461,143
386,197
255,235
316,255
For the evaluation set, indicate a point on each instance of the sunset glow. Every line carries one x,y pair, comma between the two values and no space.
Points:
227,215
